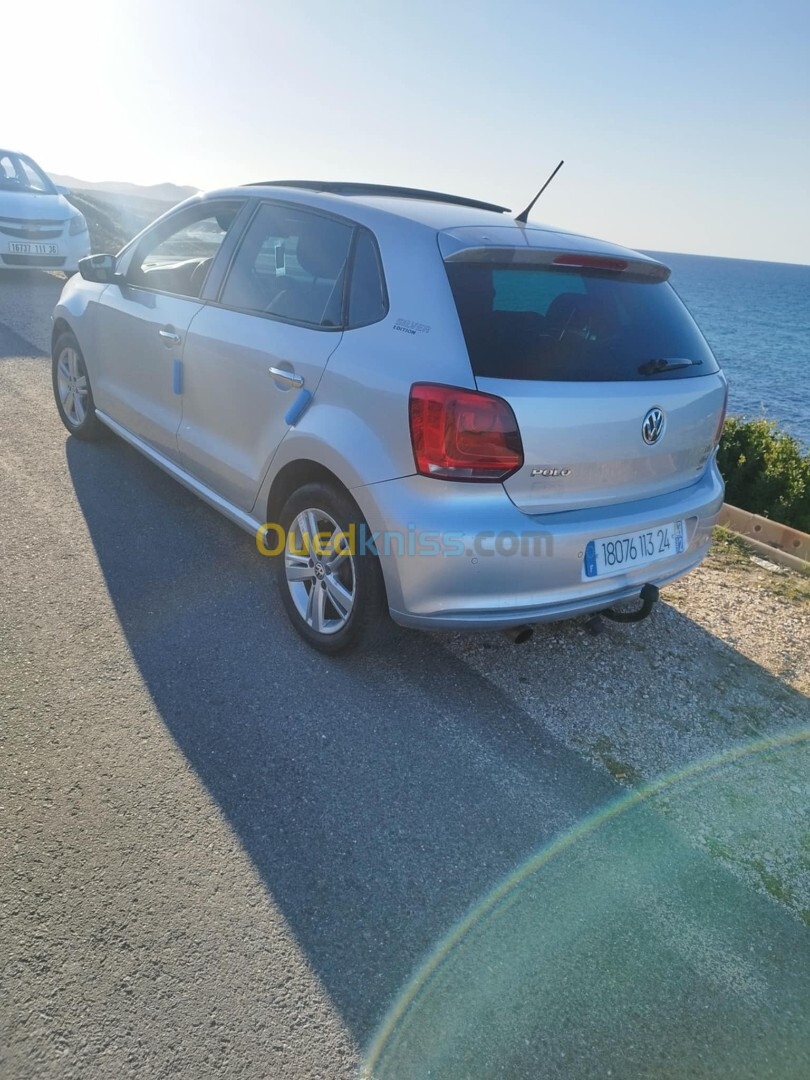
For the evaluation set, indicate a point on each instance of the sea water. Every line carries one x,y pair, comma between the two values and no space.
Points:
756,317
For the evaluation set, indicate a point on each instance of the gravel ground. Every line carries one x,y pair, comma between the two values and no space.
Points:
223,854
686,686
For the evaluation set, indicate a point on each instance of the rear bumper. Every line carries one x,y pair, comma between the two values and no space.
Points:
480,577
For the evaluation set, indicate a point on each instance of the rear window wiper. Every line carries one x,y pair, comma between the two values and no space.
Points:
656,367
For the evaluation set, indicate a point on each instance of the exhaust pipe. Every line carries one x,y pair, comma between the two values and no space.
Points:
519,634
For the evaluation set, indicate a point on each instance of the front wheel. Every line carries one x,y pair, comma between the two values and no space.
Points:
72,391
333,592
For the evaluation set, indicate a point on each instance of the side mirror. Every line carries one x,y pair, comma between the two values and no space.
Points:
61,189
98,268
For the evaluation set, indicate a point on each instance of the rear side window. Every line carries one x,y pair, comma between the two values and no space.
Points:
534,322
368,302
291,264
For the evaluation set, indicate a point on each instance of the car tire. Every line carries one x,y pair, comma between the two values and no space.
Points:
335,599
72,391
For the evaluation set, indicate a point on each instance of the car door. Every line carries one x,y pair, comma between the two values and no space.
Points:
141,322
254,358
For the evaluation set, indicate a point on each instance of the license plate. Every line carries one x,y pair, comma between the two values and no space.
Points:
16,248
614,554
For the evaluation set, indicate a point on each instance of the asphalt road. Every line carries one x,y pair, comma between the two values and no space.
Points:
225,855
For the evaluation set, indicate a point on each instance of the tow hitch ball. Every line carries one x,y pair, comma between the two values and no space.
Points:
648,595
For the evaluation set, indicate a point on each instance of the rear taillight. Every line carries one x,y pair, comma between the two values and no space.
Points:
719,433
462,434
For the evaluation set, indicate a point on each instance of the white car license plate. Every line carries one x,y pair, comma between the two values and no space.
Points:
613,554
16,248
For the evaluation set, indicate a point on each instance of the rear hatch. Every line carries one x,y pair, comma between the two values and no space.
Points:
616,393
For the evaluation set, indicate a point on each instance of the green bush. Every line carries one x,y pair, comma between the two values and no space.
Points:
766,471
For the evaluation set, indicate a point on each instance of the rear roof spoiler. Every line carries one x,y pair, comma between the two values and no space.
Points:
348,188
638,268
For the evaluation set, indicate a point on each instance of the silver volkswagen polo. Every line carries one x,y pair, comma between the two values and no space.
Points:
420,406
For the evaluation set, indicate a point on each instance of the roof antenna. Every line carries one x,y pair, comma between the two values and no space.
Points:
523,218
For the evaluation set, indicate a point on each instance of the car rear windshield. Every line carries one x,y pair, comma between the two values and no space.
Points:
533,322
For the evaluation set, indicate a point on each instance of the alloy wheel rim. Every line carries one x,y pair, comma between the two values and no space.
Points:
71,381
320,571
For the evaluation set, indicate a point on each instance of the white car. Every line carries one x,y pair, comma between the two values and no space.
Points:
39,228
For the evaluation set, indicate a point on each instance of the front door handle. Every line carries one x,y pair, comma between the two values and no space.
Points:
286,376
169,336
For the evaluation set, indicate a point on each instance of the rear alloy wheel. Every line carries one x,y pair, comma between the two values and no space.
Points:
334,597
323,588
71,389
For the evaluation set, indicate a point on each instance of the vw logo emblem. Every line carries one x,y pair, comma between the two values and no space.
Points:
652,426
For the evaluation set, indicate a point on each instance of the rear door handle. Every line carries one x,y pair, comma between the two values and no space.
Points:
286,376
169,336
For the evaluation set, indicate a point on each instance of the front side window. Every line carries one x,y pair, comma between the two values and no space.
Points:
177,256
291,264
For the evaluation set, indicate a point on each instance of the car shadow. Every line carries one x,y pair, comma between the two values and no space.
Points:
27,299
13,344
378,797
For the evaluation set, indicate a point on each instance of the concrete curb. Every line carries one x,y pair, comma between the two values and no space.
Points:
773,541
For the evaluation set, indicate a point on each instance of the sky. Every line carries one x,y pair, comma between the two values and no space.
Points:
684,125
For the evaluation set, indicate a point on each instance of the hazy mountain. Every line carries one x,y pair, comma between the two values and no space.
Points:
166,193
